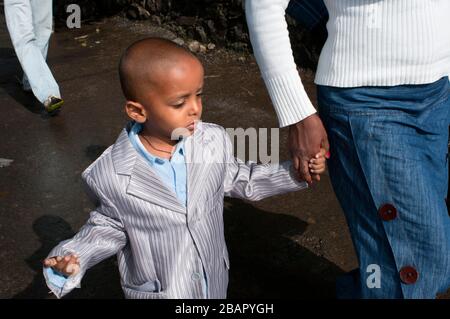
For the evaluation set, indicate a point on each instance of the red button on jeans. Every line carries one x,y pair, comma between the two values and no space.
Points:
387,212
408,275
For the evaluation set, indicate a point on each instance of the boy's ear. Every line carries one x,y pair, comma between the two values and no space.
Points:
136,111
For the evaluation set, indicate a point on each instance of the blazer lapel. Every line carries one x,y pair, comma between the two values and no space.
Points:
196,166
146,184
144,181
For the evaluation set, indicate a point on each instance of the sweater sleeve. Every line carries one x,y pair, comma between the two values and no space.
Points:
272,49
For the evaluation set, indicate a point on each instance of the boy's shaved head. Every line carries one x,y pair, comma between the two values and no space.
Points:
143,63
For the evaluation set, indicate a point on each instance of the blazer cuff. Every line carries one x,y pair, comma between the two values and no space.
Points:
57,283
289,167
289,97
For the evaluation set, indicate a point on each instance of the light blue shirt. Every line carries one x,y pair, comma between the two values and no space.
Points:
172,172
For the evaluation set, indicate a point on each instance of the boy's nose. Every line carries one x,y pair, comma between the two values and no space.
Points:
195,107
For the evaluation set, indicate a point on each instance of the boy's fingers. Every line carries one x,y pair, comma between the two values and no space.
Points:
49,262
69,268
317,166
59,263
76,269
320,160
72,268
319,156
76,262
70,265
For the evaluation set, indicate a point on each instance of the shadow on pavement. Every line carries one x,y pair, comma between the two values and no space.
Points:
265,262
101,281
10,81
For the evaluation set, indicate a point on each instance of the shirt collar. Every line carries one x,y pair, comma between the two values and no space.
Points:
178,154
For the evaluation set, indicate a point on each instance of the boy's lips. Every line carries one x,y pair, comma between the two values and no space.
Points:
191,126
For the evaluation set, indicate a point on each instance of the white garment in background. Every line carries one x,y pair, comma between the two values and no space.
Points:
29,24
370,43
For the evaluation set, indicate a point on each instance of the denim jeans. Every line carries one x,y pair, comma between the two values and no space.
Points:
309,13
388,168
29,24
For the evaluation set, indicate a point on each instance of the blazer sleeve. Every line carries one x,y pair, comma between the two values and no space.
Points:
254,181
102,236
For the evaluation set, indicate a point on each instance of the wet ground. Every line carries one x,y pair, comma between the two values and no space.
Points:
289,246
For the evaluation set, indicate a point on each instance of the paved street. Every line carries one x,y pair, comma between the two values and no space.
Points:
299,241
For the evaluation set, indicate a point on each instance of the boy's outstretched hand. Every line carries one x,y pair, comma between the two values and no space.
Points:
317,164
68,265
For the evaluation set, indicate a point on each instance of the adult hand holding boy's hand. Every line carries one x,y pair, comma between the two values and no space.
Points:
305,140
68,265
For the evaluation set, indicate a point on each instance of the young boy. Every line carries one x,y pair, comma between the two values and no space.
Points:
159,200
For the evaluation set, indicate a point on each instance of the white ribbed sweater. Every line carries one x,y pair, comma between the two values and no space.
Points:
370,43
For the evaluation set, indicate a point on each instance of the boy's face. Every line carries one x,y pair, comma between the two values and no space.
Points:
175,101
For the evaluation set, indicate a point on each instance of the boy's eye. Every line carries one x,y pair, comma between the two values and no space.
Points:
178,104
200,94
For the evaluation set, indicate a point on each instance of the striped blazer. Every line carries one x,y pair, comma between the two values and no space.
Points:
159,242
